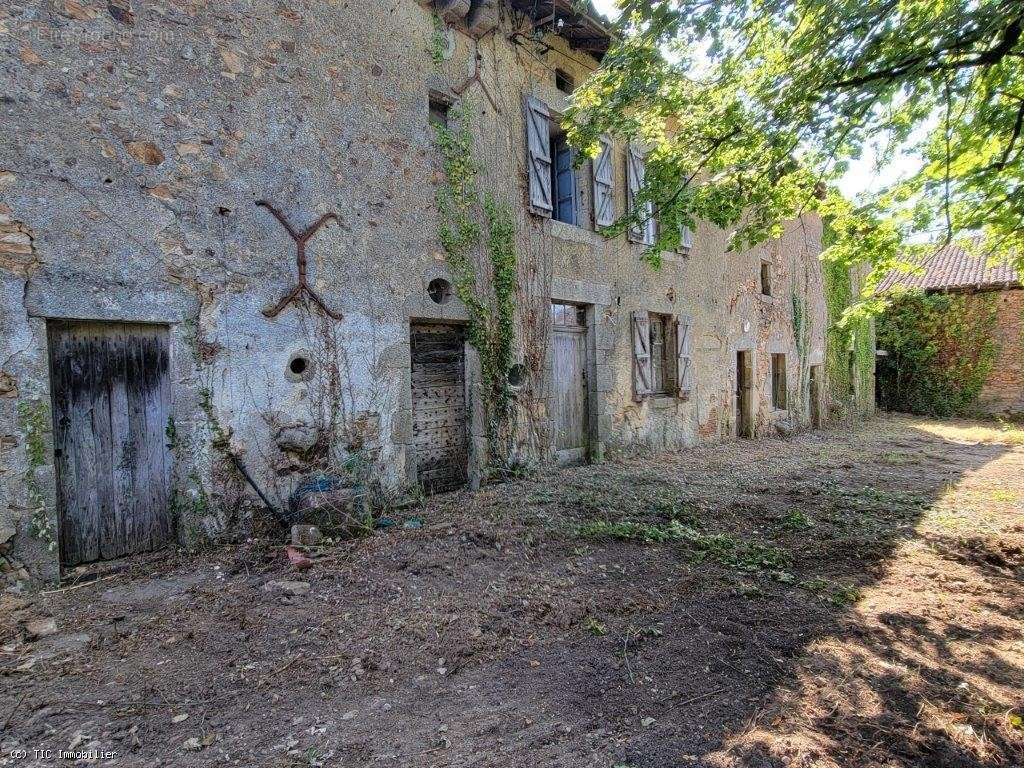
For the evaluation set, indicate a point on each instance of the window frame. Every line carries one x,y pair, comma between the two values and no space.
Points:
765,278
667,361
564,77
559,146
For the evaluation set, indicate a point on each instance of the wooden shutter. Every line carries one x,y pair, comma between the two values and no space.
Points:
684,356
641,355
538,160
604,197
685,238
636,168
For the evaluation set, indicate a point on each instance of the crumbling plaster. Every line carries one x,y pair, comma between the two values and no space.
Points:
132,157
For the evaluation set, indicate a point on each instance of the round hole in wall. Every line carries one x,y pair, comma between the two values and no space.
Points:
439,290
300,367
517,376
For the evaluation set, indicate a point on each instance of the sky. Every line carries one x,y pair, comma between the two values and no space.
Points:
862,175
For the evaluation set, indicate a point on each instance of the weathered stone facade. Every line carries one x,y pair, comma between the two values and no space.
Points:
135,145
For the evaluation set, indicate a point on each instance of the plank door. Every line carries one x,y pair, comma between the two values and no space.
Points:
439,439
111,401
571,396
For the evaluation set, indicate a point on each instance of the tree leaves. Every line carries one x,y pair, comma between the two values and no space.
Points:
748,105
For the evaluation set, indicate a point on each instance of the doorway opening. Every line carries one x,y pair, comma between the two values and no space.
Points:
111,394
571,392
744,393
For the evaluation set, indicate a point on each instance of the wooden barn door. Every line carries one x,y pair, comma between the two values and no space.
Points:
111,394
571,397
439,439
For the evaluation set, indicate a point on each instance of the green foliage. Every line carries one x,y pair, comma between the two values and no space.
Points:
437,42
849,342
795,520
746,105
595,627
491,310
721,548
940,352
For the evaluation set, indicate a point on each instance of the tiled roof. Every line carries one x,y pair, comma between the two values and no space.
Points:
952,267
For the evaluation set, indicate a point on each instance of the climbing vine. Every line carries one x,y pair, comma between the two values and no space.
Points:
438,43
33,417
849,343
463,237
940,352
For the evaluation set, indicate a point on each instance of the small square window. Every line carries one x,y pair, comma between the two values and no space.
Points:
564,81
779,390
439,109
766,278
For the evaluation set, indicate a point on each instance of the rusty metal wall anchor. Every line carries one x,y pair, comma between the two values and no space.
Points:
302,286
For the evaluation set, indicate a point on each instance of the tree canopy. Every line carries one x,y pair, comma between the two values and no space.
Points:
750,108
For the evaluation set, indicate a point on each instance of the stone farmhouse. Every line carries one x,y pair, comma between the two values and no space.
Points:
221,269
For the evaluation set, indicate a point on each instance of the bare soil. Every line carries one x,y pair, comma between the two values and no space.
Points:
839,598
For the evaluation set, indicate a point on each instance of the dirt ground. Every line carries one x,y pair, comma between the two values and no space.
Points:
840,598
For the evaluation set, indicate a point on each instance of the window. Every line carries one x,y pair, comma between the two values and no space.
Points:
564,81
563,180
568,315
438,113
663,355
779,382
766,278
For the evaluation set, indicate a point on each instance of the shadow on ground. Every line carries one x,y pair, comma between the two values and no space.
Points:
839,598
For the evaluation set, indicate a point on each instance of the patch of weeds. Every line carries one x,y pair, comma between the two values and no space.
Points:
595,627
834,592
749,556
795,520
628,530
721,548
1016,721
898,458
1003,495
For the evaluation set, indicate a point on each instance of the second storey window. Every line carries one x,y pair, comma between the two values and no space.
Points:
551,175
563,181
766,278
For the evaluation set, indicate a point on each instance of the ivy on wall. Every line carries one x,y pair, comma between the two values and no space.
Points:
491,312
940,352
849,344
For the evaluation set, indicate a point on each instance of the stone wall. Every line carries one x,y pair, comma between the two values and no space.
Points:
135,146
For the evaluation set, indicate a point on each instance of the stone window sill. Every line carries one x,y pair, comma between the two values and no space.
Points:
574,233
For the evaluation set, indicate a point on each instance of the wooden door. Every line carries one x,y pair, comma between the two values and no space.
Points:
815,396
111,403
571,397
744,394
439,440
